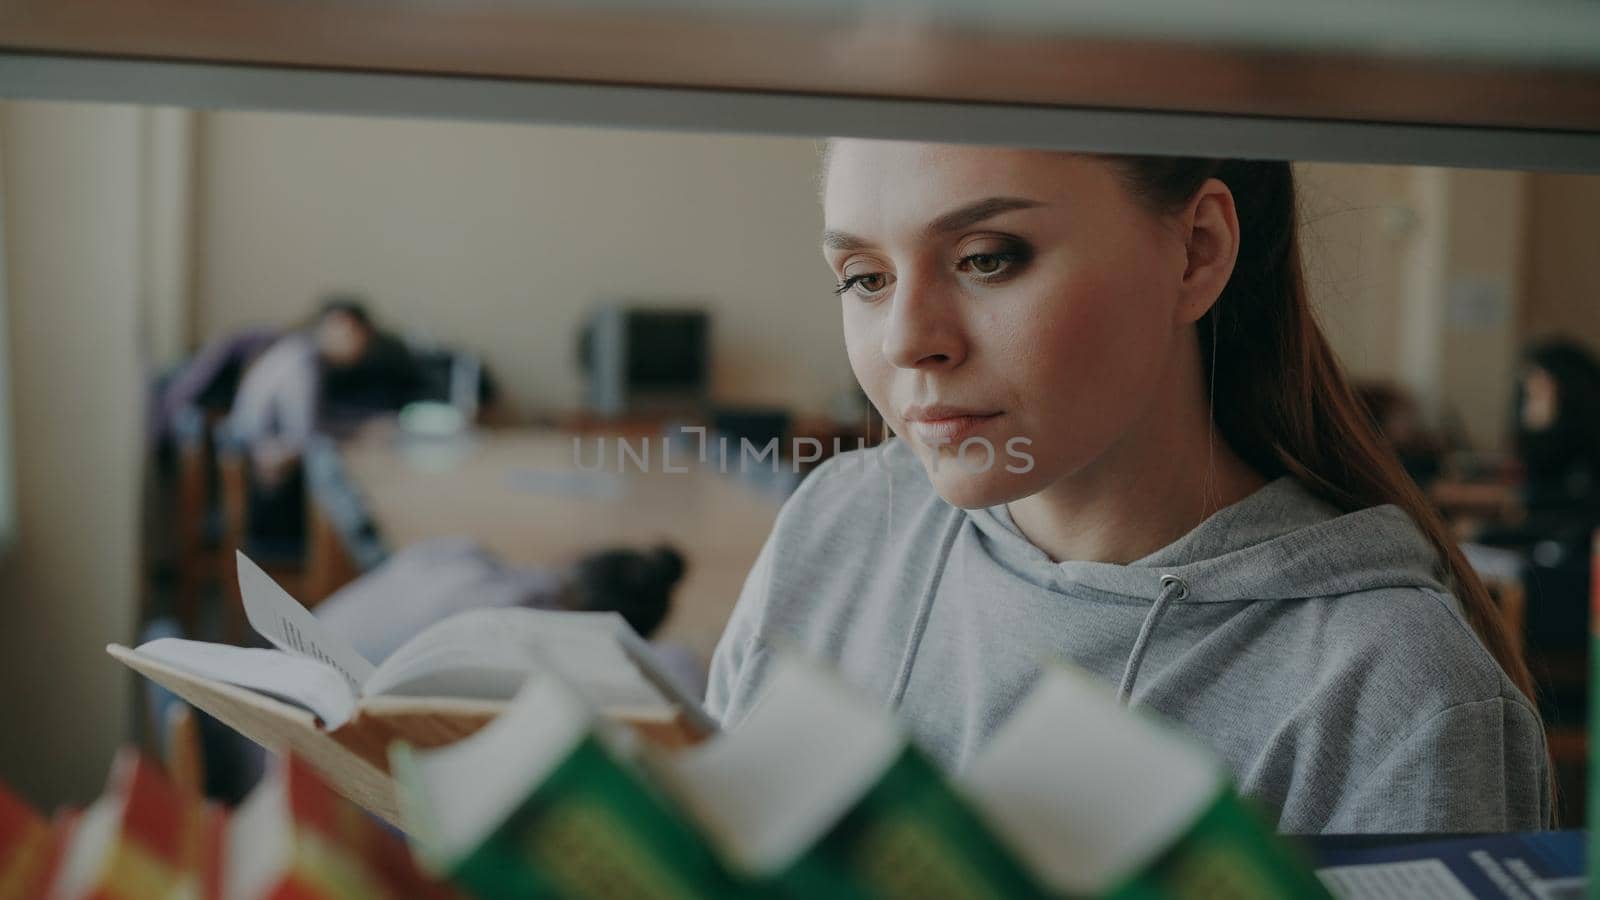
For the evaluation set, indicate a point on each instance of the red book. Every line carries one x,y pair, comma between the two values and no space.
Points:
295,839
29,848
142,838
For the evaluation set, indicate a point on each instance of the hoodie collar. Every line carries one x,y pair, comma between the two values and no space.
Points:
1280,543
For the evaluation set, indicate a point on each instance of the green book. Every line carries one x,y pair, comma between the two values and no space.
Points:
544,802
818,794
1592,891
1102,801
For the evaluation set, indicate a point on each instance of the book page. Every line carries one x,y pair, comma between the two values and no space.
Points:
1116,788
487,654
453,797
807,753
297,679
290,627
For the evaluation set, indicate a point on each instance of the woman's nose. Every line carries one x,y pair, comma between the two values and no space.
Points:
924,328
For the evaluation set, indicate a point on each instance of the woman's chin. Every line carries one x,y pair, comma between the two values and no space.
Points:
977,490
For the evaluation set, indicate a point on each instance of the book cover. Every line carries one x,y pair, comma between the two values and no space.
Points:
1123,806
1547,865
819,793
30,848
142,838
293,837
1593,890
1228,852
909,837
542,804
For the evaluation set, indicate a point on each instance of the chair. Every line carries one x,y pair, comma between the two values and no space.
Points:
284,561
197,520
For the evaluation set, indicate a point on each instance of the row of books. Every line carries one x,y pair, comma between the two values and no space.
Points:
818,794
538,754
594,778
149,838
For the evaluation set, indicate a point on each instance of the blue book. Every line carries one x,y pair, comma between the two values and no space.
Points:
1543,865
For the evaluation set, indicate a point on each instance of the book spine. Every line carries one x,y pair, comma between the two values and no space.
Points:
26,849
911,836
1230,852
1592,890
594,829
159,848
341,851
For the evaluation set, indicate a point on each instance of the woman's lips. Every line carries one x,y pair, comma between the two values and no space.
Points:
950,430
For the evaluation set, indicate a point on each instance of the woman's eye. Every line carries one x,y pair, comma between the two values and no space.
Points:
987,263
865,285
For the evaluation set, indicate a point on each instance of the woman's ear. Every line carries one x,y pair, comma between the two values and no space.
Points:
1212,227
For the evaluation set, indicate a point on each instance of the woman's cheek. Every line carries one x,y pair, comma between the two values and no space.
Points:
863,348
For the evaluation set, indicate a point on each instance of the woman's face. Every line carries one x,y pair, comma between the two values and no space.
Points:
1020,304
342,339
1540,400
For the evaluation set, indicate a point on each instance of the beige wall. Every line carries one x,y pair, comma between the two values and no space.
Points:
1355,227
69,178
496,238
1563,255
1420,276
1483,275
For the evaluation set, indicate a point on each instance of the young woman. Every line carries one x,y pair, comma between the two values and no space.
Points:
1124,443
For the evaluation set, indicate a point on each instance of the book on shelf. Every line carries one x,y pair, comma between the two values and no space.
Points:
548,801
1542,865
316,695
819,793
294,837
144,837
1104,801
30,848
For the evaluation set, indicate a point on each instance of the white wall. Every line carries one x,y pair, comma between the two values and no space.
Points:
496,238
69,178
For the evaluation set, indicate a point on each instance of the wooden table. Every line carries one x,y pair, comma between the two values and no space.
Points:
522,494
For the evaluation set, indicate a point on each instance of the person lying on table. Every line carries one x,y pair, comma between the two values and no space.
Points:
431,580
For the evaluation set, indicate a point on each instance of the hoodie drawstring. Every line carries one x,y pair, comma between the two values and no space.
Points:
1173,589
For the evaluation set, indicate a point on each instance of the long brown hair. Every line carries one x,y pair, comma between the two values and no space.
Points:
1289,409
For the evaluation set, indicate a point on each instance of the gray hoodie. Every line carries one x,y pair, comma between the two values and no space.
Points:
1316,653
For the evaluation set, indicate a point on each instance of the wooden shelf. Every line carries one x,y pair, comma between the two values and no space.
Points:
1409,76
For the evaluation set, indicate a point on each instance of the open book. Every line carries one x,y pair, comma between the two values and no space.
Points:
317,695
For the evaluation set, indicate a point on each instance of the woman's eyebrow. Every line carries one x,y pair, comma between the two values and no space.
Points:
955,220
973,213
840,240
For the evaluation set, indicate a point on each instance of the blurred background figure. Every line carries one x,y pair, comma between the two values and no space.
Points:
426,583
432,580
327,376
1557,419
1552,520
1399,420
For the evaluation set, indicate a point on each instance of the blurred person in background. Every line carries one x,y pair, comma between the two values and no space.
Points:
1556,420
326,376
1399,421
432,580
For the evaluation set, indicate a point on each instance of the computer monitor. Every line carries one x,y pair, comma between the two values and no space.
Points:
646,359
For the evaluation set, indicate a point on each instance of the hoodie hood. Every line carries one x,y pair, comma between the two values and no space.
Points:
1280,543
